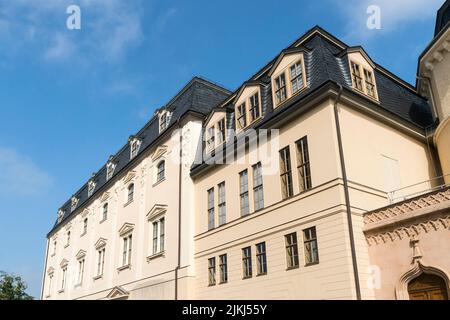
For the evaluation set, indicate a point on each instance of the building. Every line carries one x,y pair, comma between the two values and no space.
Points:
310,181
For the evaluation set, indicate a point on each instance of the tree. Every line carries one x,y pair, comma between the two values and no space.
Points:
12,287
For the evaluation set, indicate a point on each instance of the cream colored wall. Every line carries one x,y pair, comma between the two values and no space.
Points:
442,141
146,278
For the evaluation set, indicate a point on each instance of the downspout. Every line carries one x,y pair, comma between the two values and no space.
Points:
347,194
45,269
179,207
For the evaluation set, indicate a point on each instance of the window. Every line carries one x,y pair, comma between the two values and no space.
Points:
130,193
105,212
126,252
54,247
254,107
161,174
158,236
258,192
310,242
68,238
210,144
286,173
222,204
211,222
243,184
223,268
80,271
85,226
212,271
162,122
280,88
100,261
221,131
242,115
247,262
303,167
261,258
91,186
291,250
370,85
110,166
135,144
50,281
63,278
356,76
296,75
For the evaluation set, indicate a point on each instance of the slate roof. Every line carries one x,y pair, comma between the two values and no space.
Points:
326,61
198,96
443,18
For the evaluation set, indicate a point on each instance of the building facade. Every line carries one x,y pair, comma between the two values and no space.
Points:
321,177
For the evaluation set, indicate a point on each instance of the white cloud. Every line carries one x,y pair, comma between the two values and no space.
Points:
394,14
20,176
109,29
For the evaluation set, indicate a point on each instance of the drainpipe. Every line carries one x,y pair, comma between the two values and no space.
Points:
45,269
179,207
347,195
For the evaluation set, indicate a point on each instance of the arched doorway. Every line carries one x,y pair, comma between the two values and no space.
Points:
427,287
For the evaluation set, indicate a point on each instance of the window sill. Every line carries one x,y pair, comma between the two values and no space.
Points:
156,255
66,246
61,291
128,203
47,296
78,285
103,220
245,278
97,277
311,264
159,182
53,254
83,234
292,268
285,101
366,95
262,274
125,267
212,285
223,282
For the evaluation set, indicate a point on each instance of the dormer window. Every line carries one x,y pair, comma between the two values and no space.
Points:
362,73
91,187
288,75
74,203
254,107
135,144
164,119
110,166
242,115
60,215
210,143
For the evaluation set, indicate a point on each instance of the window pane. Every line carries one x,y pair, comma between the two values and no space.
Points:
212,271
222,204
258,191
243,183
223,268
247,262
261,258
211,222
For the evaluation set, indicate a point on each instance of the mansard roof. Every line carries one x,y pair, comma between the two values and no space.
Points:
326,62
443,18
198,96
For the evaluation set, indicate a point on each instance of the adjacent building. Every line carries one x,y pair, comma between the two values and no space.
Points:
323,176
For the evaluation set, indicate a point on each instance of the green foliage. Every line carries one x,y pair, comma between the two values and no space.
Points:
12,287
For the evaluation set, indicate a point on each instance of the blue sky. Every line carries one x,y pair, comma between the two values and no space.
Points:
70,98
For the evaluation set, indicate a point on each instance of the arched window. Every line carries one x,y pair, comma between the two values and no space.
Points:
161,174
105,211
130,192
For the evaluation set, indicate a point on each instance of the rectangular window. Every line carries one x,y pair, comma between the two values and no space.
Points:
212,271
105,212
222,204
291,250
210,141
211,218
126,254
247,262
158,236
280,88
261,258
50,280
100,261
54,247
356,75
155,237
296,73
311,249
243,187
85,225
303,166
254,107
80,271
161,234
370,85
223,268
162,122
258,191
242,115
286,173
63,279
221,131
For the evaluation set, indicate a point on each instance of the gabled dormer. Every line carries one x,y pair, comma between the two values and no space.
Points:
216,128
247,105
110,167
135,145
288,75
91,185
61,213
362,72
164,116
73,203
